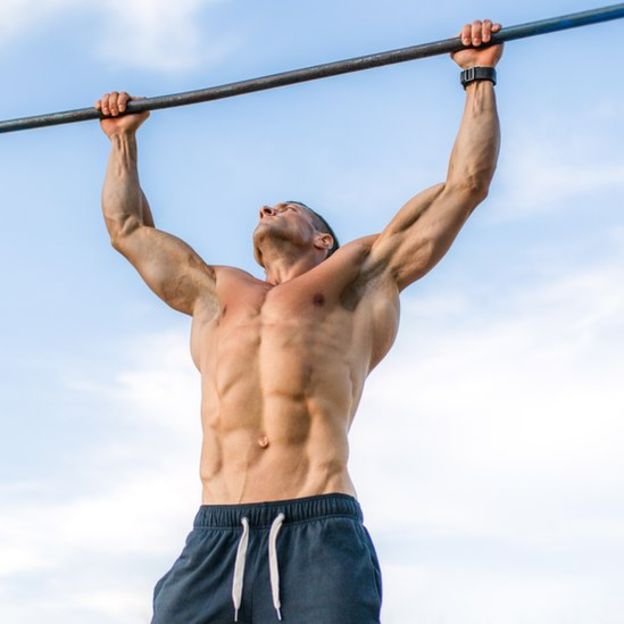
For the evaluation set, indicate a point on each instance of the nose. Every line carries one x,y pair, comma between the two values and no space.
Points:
266,211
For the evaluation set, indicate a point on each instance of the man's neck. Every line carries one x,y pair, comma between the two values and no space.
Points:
283,269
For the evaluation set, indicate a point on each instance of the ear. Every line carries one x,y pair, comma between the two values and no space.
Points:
323,240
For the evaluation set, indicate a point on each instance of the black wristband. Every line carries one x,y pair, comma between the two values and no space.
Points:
477,73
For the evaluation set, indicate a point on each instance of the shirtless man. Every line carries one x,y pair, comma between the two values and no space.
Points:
283,362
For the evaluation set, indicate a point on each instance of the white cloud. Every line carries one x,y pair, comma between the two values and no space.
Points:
144,492
453,594
542,184
127,533
17,16
160,34
548,169
161,385
149,34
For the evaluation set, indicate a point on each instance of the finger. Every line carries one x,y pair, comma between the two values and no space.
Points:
106,103
122,101
466,34
476,33
487,30
112,103
98,105
496,27
105,108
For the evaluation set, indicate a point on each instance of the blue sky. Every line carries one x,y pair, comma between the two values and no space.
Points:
487,451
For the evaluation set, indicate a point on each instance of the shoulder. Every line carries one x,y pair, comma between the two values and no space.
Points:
226,273
227,280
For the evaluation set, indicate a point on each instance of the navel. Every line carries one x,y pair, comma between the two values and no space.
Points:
263,441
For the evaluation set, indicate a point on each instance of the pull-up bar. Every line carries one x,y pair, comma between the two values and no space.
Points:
359,63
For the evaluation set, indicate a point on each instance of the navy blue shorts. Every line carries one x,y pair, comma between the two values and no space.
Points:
302,561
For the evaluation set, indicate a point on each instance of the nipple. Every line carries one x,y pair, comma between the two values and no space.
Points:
263,441
318,299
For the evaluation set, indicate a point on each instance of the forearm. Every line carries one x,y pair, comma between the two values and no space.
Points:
475,153
122,198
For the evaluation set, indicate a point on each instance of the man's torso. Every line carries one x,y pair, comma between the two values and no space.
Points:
282,371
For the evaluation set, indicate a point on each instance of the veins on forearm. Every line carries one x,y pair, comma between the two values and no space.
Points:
122,196
474,155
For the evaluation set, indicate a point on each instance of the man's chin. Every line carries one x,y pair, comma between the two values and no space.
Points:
264,226
267,229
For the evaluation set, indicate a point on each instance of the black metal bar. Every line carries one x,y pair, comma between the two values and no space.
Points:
359,63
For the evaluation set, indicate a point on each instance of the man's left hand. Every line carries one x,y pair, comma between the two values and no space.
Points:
474,35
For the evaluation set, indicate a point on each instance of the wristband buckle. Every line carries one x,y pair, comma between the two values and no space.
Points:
469,74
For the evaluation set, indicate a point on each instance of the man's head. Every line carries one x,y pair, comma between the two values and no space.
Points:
295,228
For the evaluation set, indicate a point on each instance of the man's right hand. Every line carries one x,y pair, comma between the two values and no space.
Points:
113,106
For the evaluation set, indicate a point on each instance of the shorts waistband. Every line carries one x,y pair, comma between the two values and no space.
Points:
263,514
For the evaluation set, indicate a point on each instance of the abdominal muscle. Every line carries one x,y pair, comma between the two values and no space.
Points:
276,412
255,463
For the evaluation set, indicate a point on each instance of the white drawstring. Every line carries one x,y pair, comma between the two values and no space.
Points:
239,568
273,571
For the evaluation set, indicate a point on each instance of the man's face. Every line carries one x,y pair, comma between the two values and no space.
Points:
284,221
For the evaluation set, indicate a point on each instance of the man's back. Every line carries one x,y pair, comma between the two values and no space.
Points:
282,369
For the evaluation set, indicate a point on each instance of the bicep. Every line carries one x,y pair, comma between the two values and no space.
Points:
170,267
422,232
